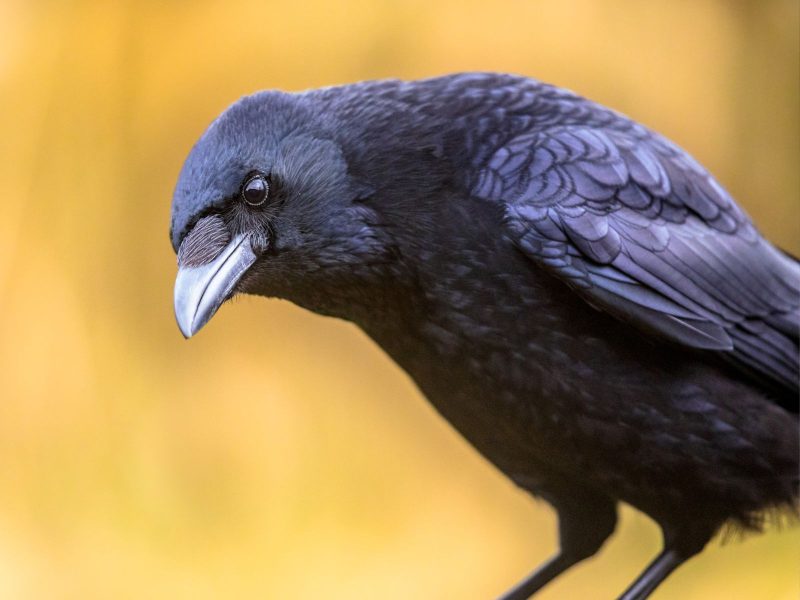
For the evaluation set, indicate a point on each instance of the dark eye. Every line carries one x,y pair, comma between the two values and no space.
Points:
255,190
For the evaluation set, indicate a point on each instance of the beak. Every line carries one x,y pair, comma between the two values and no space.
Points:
201,290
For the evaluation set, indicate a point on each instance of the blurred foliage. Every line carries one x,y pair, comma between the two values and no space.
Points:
280,454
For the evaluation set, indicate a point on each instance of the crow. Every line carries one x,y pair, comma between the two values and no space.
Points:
573,292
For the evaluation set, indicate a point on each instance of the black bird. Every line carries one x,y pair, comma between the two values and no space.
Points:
572,291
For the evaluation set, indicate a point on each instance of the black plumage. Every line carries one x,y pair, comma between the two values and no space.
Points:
572,291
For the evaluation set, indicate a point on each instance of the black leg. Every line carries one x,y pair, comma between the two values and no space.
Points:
656,572
543,575
582,529
678,548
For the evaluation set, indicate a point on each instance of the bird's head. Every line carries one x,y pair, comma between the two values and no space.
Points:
264,201
269,202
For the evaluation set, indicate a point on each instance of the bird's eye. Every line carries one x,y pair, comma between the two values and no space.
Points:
255,190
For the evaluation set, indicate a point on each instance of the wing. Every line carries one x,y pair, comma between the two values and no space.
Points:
639,229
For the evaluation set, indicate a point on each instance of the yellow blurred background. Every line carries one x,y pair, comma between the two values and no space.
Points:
279,454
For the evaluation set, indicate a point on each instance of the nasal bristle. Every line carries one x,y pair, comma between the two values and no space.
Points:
204,242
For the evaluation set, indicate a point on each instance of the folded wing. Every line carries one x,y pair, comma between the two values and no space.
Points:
642,231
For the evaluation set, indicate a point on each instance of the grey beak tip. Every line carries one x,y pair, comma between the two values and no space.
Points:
191,319
189,328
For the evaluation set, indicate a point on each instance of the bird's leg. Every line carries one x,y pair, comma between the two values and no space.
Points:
677,550
582,530
656,572
540,577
